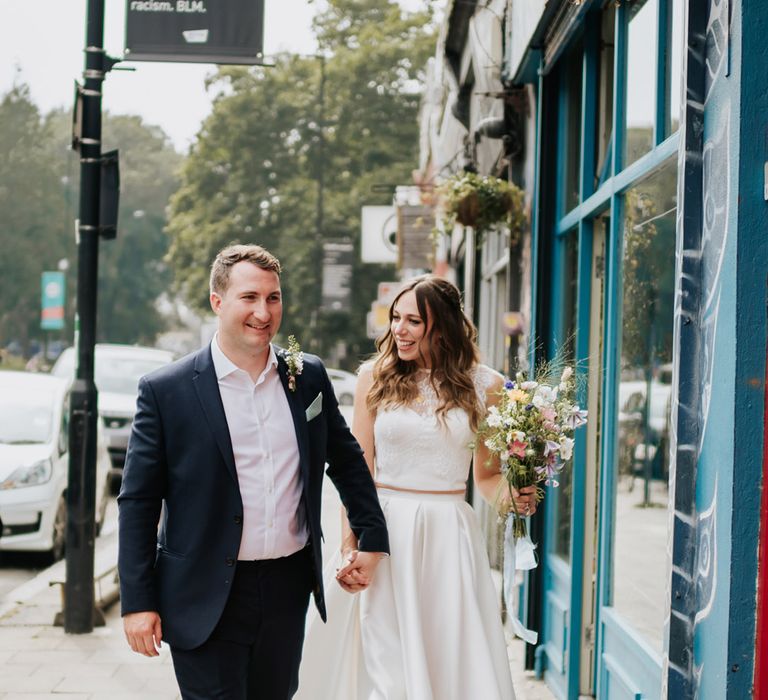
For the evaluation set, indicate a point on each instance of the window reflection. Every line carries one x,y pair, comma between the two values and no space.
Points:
642,55
604,114
571,151
563,493
674,63
644,399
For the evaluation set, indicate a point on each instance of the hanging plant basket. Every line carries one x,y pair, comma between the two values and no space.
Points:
483,202
468,209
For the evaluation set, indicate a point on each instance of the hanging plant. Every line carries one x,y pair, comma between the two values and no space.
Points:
483,202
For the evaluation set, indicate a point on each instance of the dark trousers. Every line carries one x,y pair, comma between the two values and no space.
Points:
255,650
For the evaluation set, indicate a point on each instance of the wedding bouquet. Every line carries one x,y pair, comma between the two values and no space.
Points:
531,430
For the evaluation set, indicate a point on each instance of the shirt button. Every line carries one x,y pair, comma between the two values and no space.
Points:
229,561
238,519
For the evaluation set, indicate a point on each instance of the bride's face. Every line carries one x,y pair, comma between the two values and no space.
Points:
410,330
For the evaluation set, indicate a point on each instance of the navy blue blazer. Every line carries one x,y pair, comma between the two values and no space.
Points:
180,463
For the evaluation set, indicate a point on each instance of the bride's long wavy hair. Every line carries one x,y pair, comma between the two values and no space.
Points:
452,350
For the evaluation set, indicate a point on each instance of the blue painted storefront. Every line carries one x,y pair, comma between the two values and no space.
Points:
649,254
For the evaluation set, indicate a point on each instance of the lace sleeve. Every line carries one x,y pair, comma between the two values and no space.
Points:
484,378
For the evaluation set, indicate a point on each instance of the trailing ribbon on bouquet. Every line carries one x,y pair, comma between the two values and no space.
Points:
519,555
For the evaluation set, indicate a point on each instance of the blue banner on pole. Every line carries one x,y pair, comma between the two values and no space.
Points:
53,289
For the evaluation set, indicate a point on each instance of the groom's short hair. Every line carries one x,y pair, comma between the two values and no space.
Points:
231,255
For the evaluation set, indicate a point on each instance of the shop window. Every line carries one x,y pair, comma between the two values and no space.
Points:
562,494
642,55
644,401
674,63
604,112
570,127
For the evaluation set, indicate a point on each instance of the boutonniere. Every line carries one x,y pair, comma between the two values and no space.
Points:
294,358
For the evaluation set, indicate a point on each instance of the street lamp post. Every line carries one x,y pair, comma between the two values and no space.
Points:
79,603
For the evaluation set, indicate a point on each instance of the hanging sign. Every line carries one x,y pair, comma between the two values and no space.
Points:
195,31
52,302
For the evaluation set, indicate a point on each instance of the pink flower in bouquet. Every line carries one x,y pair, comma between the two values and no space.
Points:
548,414
517,449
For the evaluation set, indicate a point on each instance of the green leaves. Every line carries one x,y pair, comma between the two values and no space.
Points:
348,121
39,182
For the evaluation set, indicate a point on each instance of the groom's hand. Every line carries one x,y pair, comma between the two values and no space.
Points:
143,632
357,572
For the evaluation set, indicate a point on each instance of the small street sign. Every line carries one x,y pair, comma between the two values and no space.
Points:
52,306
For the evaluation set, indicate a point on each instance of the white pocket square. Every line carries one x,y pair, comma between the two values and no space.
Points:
314,409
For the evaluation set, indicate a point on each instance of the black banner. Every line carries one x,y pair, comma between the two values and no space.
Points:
195,31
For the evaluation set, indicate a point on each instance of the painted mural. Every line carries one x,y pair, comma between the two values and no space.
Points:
704,224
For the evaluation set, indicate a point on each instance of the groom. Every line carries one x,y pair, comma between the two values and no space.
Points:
227,455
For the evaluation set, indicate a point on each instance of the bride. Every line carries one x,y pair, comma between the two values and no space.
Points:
428,626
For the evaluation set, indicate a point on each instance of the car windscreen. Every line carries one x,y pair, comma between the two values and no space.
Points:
115,374
25,420
120,375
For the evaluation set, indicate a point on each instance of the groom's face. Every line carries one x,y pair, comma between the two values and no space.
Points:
249,310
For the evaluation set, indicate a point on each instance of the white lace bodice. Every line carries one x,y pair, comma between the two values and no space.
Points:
416,450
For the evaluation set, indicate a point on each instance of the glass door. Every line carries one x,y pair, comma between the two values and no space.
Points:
634,488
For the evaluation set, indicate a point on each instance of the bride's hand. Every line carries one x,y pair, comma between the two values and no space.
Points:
525,500
357,570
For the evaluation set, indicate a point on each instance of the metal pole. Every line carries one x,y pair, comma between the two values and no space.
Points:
79,606
321,151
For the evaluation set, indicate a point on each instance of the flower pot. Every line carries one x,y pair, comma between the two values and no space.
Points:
468,209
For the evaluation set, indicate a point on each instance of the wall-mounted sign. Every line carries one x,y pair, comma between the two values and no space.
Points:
379,234
338,259
195,31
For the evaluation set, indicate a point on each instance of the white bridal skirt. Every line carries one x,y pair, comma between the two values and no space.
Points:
428,628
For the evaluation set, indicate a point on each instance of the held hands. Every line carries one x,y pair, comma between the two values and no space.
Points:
143,632
525,500
357,570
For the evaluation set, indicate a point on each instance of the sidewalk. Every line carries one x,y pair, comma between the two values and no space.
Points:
40,662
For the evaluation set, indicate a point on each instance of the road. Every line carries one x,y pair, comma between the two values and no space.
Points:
18,568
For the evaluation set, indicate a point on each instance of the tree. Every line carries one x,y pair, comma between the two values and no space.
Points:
132,271
253,174
39,178
34,234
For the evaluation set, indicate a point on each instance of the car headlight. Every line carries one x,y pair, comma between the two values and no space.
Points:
38,473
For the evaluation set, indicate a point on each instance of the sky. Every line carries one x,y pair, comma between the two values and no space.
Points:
41,44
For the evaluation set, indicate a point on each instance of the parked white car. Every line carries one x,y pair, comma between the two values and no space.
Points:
344,384
117,371
34,463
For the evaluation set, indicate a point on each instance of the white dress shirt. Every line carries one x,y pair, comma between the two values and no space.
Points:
266,457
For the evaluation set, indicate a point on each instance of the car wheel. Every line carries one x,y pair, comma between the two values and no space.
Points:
59,531
346,400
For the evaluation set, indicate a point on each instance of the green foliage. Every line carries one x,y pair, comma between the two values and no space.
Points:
483,202
132,270
253,174
34,231
39,196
